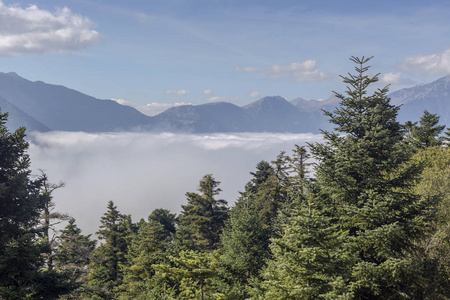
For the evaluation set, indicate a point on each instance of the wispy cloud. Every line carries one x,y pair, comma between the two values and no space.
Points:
254,94
177,92
235,100
427,65
306,71
151,109
392,78
35,31
207,92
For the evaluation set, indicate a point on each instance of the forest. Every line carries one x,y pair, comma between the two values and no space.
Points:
362,215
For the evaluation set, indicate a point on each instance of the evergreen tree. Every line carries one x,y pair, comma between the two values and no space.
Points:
21,276
147,248
245,247
109,257
432,257
202,219
193,273
362,181
269,189
427,133
166,219
307,259
73,256
49,218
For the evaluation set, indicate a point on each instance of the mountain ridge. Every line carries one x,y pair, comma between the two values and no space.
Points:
43,107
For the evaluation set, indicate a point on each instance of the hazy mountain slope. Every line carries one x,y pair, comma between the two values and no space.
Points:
61,108
17,118
210,117
434,97
41,106
276,114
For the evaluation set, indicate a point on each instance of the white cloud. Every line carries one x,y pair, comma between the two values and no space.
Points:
254,94
151,109
234,100
177,92
216,99
427,65
138,170
207,92
306,71
35,31
249,70
392,78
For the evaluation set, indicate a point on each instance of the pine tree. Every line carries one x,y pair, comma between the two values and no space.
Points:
202,219
363,181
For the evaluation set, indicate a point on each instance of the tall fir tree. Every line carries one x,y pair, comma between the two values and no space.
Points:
106,268
363,182
203,217
21,273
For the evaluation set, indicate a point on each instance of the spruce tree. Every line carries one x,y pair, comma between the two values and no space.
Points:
363,181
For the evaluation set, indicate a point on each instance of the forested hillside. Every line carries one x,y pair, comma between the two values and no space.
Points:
370,221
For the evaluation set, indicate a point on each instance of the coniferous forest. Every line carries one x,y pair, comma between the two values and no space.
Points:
363,215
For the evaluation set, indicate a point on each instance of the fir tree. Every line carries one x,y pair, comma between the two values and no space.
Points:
49,218
362,182
307,259
427,133
73,256
202,219
109,257
21,273
148,246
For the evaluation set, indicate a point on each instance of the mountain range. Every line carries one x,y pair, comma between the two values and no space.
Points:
45,107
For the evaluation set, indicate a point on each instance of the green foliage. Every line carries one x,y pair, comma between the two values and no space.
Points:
73,256
433,254
193,272
106,267
148,247
427,133
202,219
362,179
21,276
308,262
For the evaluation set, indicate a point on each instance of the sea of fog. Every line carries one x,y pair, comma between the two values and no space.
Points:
144,171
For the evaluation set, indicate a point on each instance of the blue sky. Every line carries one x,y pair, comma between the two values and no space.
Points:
155,54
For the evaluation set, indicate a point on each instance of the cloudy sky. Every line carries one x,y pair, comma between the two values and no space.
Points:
160,53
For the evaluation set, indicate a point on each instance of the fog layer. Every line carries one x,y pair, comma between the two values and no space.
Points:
144,171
